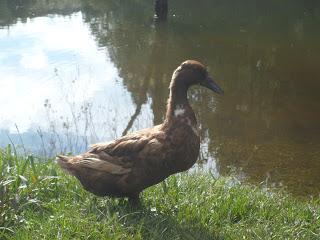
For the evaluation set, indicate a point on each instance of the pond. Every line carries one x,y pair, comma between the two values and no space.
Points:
75,72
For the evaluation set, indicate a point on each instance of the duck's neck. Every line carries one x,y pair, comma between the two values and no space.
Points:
178,104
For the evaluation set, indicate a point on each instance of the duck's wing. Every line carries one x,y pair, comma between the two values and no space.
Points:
115,157
123,147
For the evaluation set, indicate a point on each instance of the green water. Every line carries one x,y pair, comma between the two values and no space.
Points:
265,55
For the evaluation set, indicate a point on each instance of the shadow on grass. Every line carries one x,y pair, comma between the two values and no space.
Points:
151,223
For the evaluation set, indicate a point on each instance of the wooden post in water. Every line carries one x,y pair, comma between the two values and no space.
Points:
161,9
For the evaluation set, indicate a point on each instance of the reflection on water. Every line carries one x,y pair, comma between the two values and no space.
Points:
60,88
103,69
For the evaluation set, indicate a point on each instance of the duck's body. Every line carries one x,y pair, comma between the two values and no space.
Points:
126,166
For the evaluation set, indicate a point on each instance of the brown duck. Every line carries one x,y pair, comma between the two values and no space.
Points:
126,166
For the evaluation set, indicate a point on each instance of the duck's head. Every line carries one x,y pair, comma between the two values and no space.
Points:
190,73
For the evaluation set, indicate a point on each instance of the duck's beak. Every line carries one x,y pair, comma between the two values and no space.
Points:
209,83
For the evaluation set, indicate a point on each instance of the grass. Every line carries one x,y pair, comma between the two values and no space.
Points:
39,201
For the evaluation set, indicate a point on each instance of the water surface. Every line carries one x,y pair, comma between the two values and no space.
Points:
73,73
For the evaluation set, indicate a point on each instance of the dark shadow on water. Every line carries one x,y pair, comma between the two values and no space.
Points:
161,10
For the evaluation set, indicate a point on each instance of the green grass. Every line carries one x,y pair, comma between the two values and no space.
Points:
39,201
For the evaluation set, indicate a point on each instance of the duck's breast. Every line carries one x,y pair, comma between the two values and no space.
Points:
185,144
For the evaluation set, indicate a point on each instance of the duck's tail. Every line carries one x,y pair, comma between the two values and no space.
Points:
77,164
66,163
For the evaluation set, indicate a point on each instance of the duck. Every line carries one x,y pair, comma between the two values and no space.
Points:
124,167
